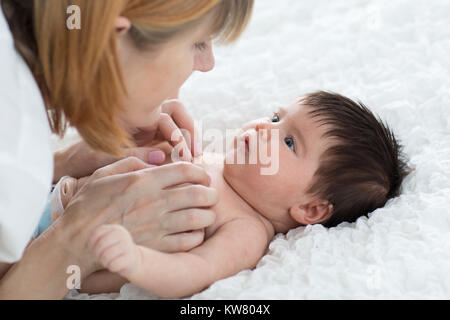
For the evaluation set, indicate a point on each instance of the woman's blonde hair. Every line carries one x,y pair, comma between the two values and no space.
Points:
78,70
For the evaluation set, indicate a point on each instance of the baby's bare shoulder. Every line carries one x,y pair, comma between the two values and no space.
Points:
238,244
236,232
248,228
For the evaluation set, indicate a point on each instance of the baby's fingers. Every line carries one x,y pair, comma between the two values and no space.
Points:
114,248
108,255
121,264
101,238
118,258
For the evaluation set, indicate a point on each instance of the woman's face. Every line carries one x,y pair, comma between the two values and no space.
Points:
152,77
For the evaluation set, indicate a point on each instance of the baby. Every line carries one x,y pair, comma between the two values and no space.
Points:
337,162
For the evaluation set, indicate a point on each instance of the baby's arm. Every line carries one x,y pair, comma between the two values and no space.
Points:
235,246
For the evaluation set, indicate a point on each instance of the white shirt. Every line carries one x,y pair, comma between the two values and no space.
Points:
26,159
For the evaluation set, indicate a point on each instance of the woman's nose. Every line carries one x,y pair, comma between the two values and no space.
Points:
205,61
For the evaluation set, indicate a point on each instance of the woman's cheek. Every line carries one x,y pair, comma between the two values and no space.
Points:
182,68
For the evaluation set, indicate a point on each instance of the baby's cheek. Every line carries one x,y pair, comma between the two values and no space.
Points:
261,184
285,182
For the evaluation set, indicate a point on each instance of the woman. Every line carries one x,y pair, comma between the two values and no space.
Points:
108,80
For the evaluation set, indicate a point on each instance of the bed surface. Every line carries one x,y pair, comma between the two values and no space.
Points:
394,57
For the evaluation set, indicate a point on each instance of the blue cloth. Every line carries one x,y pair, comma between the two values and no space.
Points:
46,219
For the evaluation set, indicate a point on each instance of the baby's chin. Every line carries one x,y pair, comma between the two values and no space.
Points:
230,168
237,170
242,179
237,176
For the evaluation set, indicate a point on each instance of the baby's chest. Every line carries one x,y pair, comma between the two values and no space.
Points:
230,205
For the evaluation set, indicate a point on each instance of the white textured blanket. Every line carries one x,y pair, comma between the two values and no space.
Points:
395,57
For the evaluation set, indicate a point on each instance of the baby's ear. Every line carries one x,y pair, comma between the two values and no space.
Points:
313,212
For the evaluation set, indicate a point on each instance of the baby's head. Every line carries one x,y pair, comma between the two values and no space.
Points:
337,162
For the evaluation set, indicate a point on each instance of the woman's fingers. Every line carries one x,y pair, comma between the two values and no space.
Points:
146,187
79,160
183,241
191,196
174,136
189,219
126,165
148,155
177,173
157,187
142,198
152,156
151,230
185,122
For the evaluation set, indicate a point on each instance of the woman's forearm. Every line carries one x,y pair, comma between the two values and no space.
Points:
42,273
4,267
77,160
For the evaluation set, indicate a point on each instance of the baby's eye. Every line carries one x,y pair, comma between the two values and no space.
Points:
276,117
290,143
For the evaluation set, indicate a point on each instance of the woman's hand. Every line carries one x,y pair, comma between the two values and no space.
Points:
131,193
175,121
79,160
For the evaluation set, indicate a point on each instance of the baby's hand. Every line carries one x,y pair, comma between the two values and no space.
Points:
115,249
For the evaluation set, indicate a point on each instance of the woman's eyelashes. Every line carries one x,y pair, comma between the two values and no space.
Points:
289,140
201,46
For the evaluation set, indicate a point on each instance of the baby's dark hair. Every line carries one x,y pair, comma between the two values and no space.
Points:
364,167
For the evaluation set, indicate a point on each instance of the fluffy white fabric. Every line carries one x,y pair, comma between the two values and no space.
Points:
394,57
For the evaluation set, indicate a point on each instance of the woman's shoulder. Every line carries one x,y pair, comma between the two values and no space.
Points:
5,34
24,128
25,136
